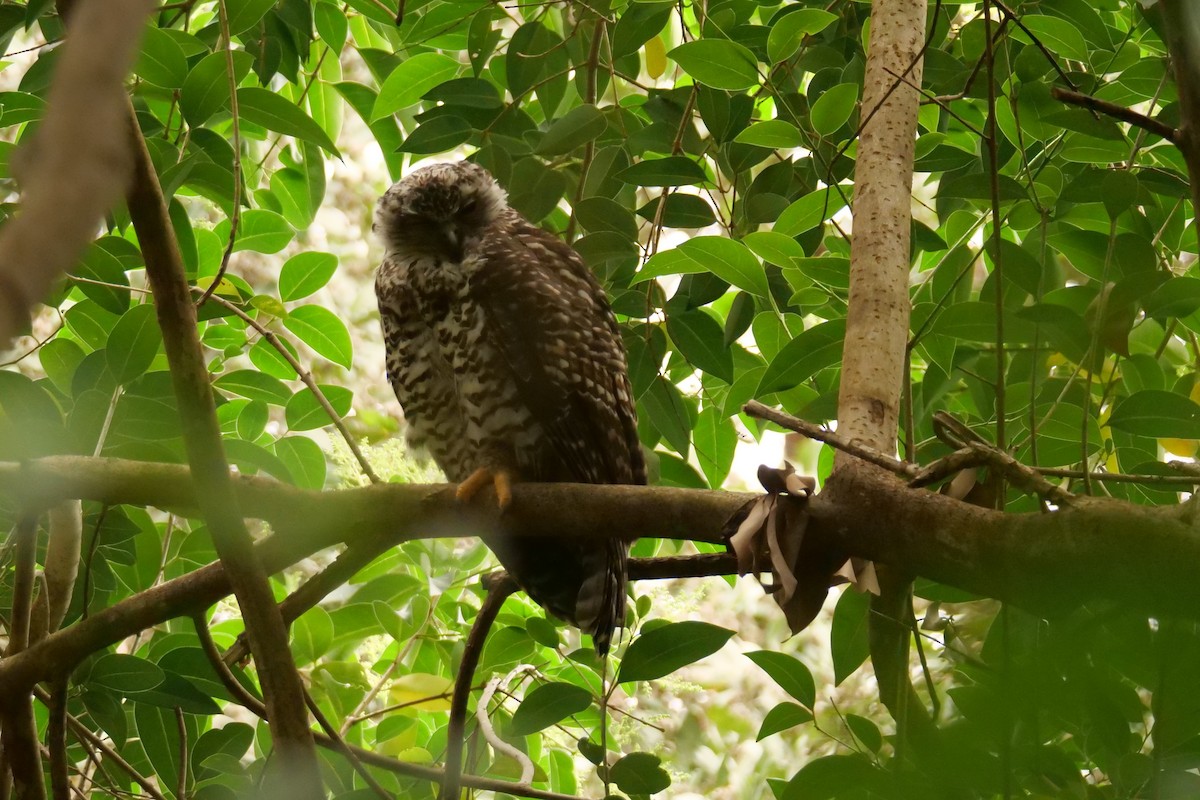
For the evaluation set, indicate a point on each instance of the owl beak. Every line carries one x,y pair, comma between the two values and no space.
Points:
454,239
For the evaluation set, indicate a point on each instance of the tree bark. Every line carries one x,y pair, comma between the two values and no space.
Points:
878,315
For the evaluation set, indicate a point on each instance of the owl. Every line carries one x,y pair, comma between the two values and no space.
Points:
506,358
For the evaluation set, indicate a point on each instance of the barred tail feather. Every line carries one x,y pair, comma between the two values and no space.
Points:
600,606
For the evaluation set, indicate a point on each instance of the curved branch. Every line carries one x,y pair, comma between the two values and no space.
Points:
71,181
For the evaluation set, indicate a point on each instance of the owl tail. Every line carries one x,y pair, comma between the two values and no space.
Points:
600,604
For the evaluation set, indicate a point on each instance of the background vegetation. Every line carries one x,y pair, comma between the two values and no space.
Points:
701,157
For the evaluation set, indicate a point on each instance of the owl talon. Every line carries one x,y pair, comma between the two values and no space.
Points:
500,480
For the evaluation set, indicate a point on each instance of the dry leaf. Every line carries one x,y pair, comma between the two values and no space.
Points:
767,536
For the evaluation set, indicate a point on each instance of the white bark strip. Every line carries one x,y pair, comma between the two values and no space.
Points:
877,322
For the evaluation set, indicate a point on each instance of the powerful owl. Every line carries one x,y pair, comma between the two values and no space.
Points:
505,355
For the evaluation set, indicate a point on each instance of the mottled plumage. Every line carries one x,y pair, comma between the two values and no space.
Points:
505,355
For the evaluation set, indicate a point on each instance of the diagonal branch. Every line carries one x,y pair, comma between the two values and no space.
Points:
297,762
70,180
1116,112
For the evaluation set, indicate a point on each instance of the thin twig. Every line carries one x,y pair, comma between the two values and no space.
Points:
56,741
235,216
499,587
868,454
94,741
1116,112
317,588
340,745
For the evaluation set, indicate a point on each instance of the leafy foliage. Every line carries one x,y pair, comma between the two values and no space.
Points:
701,159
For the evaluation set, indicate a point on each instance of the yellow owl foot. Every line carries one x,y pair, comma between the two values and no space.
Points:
500,480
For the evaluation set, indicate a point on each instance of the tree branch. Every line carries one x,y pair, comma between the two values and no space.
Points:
70,181
1116,112
1099,549
499,587
296,765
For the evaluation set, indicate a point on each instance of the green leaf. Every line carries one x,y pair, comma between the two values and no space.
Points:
978,187
124,673
781,717
1060,37
535,189
698,337
737,322
255,385
828,777
276,113
789,672
665,408
639,23
162,61
331,24
467,92
548,704
728,260
774,247
206,89
59,359
106,710
668,171
801,358
133,343
663,650
810,211
1177,297
577,127
305,273
90,323
531,51
506,646
773,133
437,135
21,107
789,30
848,634
410,81
243,14
598,214
323,331
833,108
640,774
251,458
718,63
100,265
865,731
682,211
715,441
305,413
268,359
260,231
312,635
175,692
1158,414
159,734
304,459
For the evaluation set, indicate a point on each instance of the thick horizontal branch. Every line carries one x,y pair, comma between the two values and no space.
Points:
307,521
1144,557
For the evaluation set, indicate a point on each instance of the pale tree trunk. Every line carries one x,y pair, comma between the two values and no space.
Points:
877,322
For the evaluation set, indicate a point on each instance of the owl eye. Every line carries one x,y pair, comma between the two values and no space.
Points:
469,207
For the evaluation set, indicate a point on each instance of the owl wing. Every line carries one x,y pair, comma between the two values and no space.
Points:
548,319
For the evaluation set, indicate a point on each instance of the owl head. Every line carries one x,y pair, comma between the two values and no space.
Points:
437,210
